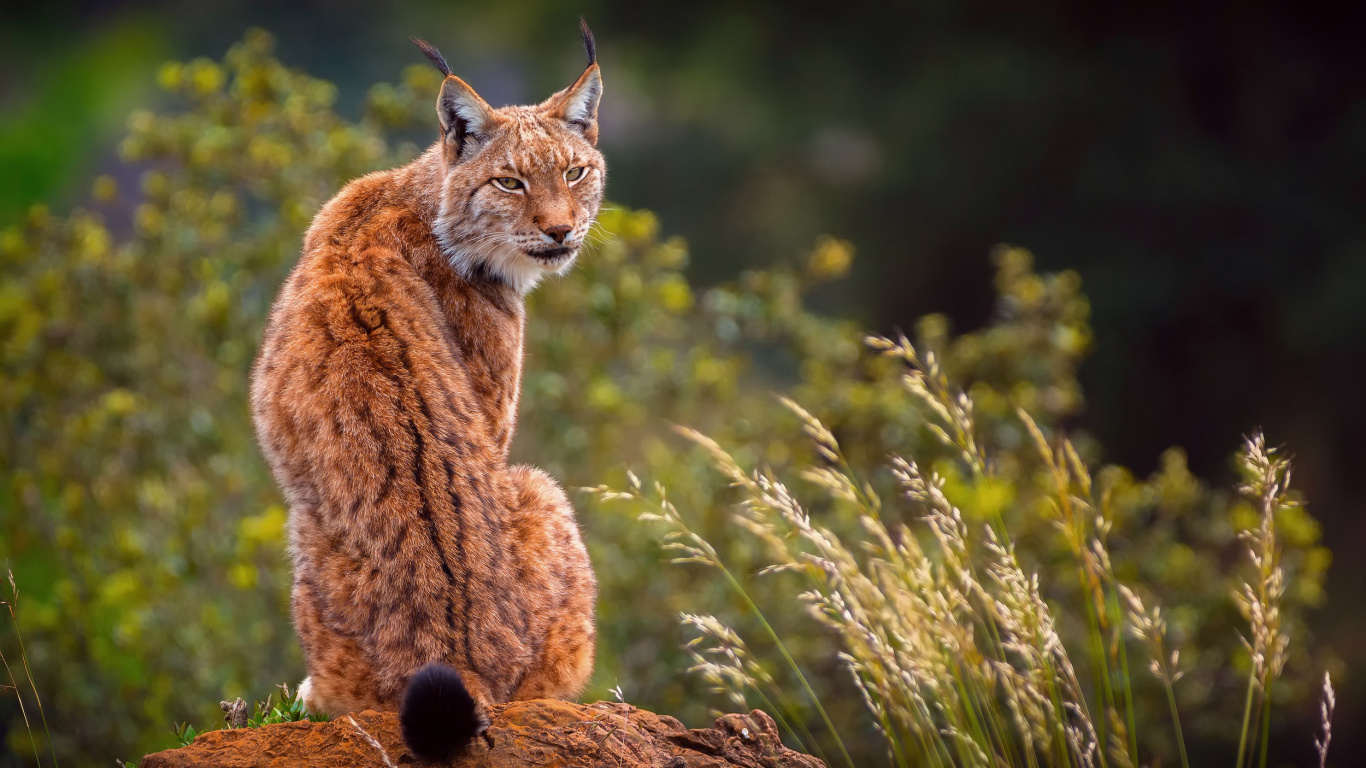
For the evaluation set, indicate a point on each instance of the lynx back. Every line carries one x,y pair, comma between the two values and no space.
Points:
429,575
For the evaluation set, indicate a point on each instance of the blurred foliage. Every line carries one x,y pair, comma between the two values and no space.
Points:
53,131
148,536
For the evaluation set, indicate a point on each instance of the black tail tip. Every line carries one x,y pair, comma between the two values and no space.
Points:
438,715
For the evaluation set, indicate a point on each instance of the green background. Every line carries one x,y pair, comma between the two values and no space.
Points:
1199,165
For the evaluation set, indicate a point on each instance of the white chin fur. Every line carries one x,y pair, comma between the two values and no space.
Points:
509,264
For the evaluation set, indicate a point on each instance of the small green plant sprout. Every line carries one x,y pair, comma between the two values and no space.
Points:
184,733
290,710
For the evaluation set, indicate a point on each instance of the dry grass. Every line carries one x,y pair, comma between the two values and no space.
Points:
14,687
1326,707
1267,482
947,636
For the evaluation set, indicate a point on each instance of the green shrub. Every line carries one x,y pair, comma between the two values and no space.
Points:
148,536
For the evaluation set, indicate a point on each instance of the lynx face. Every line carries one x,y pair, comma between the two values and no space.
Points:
522,185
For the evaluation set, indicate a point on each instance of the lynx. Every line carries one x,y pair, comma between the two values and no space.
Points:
430,577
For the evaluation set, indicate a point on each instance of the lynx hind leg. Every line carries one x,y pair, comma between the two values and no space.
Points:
305,694
339,678
553,561
313,703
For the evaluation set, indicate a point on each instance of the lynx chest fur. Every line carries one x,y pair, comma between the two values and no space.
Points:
430,576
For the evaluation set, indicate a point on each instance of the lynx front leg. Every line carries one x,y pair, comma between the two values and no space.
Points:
553,562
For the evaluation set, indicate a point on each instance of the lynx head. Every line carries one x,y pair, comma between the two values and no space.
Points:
521,185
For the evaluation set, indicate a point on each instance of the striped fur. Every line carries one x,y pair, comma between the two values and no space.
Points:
385,400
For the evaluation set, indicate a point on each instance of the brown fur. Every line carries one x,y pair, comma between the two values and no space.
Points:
385,399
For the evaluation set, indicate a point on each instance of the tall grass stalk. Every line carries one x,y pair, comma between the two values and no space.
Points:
1266,484
952,646
28,674
737,671
1326,707
692,548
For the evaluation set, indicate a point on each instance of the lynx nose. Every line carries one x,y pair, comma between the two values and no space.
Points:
558,232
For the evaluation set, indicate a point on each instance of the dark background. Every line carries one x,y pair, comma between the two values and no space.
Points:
1203,165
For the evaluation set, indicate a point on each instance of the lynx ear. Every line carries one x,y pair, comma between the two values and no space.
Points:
464,117
578,104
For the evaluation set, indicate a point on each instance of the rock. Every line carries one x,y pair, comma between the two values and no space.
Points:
523,734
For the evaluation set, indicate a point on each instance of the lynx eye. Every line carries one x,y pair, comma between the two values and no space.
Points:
574,174
508,184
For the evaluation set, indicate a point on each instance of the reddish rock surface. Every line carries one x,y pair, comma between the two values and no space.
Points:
523,734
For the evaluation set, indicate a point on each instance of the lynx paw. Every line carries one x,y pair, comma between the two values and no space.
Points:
305,694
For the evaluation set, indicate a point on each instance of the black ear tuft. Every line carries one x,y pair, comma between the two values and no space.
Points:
433,54
588,44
